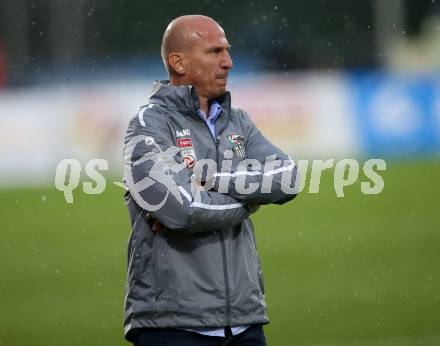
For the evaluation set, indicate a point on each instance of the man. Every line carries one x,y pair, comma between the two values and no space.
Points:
194,276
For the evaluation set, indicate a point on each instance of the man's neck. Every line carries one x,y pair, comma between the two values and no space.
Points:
204,102
204,105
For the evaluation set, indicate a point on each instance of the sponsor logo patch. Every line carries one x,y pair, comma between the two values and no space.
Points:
190,161
183,133
184,142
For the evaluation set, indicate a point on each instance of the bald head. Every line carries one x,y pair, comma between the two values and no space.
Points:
183,32
195,52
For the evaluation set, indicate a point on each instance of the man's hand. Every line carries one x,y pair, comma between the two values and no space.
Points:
155,225
253,207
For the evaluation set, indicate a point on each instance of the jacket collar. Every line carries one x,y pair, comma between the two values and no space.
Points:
183,98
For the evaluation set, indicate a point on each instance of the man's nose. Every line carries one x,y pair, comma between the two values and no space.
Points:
226,62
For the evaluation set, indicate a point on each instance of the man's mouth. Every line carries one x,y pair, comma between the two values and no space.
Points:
222,79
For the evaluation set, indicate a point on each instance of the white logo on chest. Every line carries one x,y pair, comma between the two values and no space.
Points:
183,133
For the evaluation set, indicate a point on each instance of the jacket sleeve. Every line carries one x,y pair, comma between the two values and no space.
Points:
160,183
265,176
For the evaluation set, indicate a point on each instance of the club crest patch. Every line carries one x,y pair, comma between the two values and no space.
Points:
184,142
237,143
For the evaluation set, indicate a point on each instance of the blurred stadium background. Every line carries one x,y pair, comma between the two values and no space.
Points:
323,79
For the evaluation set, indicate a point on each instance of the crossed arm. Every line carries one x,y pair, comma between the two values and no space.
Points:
171,202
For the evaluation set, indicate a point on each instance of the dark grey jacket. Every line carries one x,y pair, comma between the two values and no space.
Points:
201,269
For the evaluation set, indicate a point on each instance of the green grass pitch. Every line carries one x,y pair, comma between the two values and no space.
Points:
359,270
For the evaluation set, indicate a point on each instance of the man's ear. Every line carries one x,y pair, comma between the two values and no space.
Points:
177,63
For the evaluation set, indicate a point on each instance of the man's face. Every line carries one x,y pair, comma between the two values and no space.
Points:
208,62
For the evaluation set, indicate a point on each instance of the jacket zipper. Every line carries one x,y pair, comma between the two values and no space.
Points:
222,240
225,274
225,264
